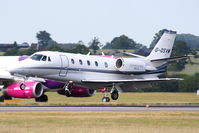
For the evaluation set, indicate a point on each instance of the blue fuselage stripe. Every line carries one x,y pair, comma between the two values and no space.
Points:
161,70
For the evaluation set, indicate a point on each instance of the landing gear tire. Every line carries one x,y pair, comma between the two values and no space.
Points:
2,98
42,98
68,93
114,95
7,97
105,99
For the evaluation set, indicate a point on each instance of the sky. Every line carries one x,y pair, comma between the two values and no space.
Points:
69,21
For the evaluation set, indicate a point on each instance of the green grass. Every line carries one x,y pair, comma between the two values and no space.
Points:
104,122
189,69
98,122
2,53
124,99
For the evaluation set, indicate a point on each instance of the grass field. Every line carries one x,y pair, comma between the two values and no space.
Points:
124,99
103,122
1,53
98,122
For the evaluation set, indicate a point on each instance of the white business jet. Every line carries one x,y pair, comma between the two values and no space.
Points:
94,72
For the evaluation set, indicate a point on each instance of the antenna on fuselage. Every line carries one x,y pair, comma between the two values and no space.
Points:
103,54
89,53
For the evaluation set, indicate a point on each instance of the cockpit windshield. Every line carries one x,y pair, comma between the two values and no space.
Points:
40,57
36,57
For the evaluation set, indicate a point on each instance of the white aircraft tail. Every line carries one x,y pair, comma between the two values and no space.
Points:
163,48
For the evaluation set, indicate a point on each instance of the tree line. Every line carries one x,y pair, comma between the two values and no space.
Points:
188,84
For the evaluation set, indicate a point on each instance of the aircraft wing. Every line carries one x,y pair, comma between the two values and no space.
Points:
132,80
6,76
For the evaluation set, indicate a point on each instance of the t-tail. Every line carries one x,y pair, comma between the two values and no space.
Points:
164,46
162,51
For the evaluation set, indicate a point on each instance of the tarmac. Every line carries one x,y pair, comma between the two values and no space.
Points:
99,109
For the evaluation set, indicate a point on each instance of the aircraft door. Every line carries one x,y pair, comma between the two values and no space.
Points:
64,66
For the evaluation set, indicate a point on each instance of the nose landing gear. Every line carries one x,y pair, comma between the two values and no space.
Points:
105,97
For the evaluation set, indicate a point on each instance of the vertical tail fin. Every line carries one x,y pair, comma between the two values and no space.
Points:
164,46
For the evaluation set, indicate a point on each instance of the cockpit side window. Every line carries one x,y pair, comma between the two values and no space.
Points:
49,59
36,57
44,58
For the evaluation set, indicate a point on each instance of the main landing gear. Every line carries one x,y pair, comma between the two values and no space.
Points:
5,97
68,88
42,98
114,94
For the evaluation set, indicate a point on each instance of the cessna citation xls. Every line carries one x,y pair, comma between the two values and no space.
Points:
94,72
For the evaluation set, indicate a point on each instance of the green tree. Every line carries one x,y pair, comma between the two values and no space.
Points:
190,83
122,42
11,52
94,45
44,38
15,44
156,38
179,49
80,49
29,51
54,48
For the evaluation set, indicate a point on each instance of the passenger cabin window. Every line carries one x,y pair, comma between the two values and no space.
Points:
44,58
72,61
88,62
36,57
80,62
96,63
105,64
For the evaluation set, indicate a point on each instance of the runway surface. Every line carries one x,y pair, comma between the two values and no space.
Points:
108,109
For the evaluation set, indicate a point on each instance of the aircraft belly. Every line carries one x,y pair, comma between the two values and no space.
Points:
102,76
78,76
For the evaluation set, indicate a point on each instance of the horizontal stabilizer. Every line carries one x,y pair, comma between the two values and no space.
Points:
172,58
135,55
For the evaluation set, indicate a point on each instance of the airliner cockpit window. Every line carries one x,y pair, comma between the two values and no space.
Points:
44,58
36,57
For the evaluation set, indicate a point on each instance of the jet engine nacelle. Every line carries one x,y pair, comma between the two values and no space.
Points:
78,91
29,89
127,65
